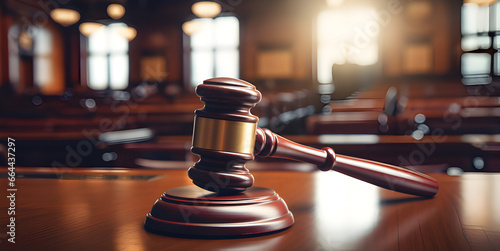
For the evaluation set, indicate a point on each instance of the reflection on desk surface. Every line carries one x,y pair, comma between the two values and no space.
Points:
332,212
64,176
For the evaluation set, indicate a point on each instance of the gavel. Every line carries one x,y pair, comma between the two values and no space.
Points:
226,136
224,203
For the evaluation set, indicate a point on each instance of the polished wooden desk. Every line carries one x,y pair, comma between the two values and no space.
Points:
87,209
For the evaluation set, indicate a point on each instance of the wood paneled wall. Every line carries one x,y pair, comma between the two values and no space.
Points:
410,47
157,39
277,31
423,40
5,23
16,20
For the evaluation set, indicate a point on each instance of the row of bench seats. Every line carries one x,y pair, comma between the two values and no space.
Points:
450,109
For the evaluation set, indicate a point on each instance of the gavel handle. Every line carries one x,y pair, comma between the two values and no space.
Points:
383,175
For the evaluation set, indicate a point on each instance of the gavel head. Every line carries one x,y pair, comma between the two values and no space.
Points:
224,135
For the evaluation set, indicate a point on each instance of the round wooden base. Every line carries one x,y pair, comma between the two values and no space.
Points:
191,211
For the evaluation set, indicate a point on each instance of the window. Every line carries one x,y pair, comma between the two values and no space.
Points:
32,60
214,49
42,65
346,36
108,61
14,59
480,25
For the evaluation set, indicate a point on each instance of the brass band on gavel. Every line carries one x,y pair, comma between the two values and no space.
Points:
224,135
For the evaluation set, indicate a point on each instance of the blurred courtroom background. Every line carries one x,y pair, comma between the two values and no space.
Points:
88,83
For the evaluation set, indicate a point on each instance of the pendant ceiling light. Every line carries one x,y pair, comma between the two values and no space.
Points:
88,28
192,26
206,9
116,11
128,32
65,17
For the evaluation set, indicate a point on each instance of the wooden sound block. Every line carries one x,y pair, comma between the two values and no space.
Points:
192,211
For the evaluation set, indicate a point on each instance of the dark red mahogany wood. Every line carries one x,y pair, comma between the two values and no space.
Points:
194,211
224,207
224,203
225,99
225,172
387,176
228,99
